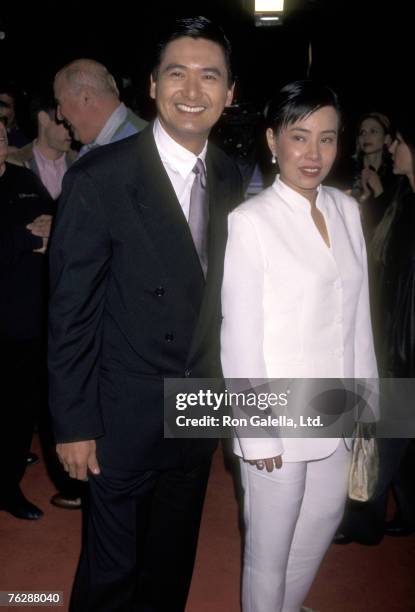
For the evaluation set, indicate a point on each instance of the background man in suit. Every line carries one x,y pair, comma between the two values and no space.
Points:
130,305
89,101
25,207
49,155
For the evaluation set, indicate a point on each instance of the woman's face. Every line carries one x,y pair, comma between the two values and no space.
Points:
306,150
372,137
402,157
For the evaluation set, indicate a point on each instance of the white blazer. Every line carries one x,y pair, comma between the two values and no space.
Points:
292,307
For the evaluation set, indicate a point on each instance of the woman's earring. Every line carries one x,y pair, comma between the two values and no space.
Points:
273,159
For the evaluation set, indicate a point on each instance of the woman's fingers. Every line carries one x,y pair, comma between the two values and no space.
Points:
269,463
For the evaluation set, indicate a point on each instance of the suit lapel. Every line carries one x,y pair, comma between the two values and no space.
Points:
218,189
159,211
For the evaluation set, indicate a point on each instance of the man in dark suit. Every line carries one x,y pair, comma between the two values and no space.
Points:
26,209
131,304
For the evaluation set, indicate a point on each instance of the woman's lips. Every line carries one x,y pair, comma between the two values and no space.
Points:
310,171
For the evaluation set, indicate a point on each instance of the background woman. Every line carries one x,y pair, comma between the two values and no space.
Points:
295,305
392,257
393,250
373,182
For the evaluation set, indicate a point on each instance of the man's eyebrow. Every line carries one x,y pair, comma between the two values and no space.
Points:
173,66
213,69
210,69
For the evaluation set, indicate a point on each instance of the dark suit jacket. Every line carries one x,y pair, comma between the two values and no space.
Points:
129,304
22,272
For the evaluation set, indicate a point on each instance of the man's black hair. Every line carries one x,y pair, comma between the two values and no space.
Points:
41,100
194,27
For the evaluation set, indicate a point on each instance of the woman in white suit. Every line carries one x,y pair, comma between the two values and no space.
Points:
295,305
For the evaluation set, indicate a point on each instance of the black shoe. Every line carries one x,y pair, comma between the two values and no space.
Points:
397,529
68,503
21,508
32,459
340,538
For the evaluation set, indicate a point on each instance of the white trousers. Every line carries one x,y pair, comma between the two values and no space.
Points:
290,518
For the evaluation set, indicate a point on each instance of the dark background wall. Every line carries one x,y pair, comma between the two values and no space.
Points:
361,49
358,46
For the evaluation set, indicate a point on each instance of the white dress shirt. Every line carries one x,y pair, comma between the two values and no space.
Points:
292,306
178,163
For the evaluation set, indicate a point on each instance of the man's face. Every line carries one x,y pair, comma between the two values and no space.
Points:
73,109
191,90
57,135
7,109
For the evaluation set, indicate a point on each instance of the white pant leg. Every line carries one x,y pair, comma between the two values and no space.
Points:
272,503
321,512
282,529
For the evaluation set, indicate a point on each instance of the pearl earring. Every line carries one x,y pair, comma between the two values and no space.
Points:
273,159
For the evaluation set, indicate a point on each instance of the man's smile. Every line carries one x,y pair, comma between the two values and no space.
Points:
185,108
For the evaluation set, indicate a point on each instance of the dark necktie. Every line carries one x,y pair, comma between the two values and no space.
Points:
199,213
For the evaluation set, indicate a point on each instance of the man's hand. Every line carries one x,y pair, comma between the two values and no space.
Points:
269,463
78,457
41,227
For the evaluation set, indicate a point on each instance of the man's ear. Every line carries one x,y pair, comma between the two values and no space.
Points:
87,96
153,87
229,95
43,118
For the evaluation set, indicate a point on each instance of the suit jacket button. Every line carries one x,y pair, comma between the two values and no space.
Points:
159,292
187,373
169,337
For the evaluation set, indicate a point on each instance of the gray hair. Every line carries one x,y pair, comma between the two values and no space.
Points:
91,74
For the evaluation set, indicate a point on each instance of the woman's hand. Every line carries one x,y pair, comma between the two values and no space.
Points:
270,463
371,182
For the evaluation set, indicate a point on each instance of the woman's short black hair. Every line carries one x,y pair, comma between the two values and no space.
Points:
194,27
298,100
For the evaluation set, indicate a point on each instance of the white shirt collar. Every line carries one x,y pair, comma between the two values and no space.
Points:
174,155
111,126
295,200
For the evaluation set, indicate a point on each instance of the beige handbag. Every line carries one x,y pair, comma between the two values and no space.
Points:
364,468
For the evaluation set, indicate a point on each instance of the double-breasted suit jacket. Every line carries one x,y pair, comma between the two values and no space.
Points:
292,307
129,303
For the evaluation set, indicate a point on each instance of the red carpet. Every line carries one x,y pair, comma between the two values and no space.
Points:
42,555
